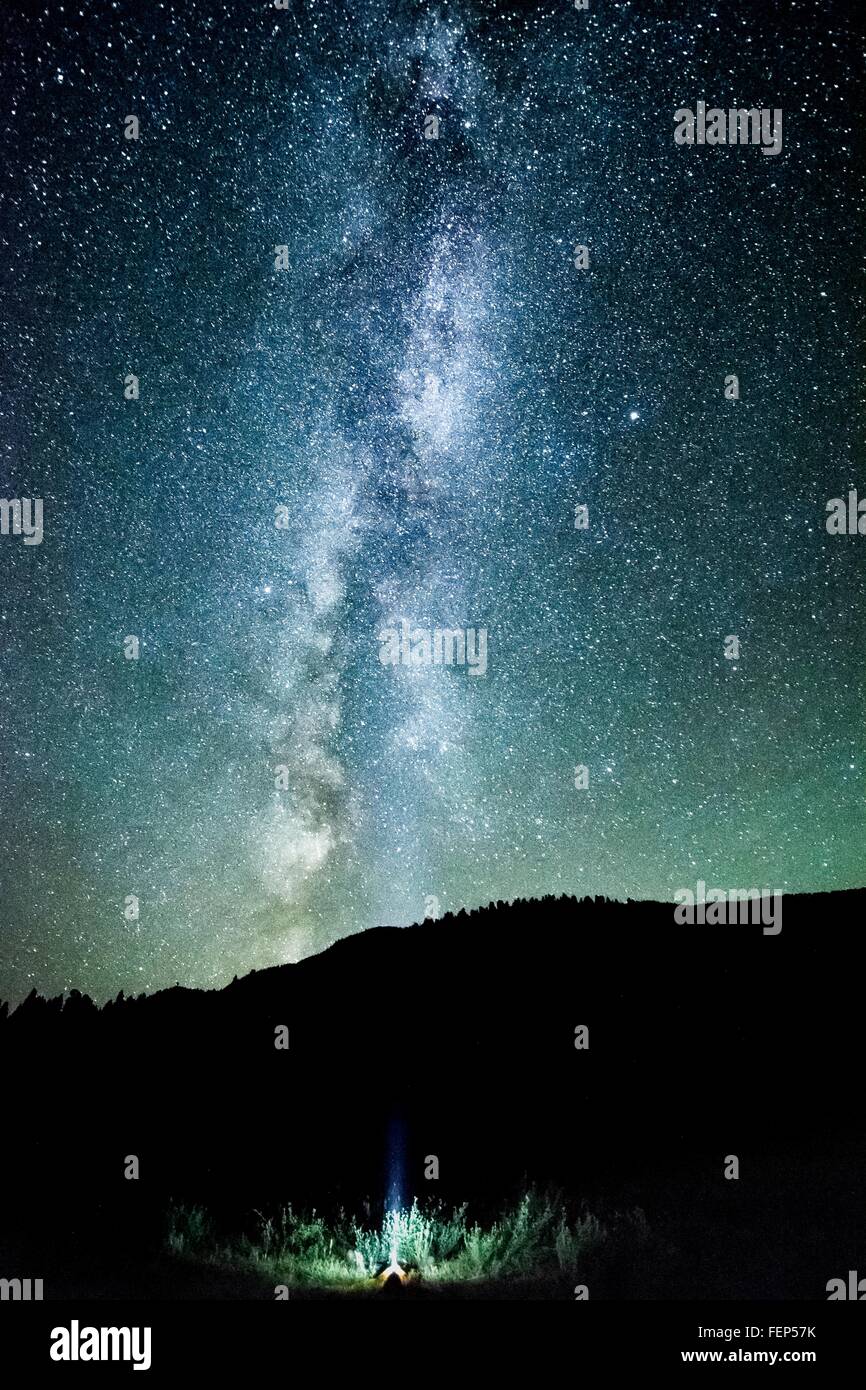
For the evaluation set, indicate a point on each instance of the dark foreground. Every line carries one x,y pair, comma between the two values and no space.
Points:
455,1042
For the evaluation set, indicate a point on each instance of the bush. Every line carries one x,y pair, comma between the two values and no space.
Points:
188,1229
533,1239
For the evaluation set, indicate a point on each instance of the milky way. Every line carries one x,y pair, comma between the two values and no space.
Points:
374,386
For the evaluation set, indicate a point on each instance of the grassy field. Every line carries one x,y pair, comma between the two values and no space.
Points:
534,1245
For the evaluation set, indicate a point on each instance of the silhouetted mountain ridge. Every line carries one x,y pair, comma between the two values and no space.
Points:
360,947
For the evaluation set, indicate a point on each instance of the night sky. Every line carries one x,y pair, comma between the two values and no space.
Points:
428,392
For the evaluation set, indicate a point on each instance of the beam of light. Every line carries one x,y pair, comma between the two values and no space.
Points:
392,1226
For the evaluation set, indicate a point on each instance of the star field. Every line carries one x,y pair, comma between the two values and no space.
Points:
401,424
